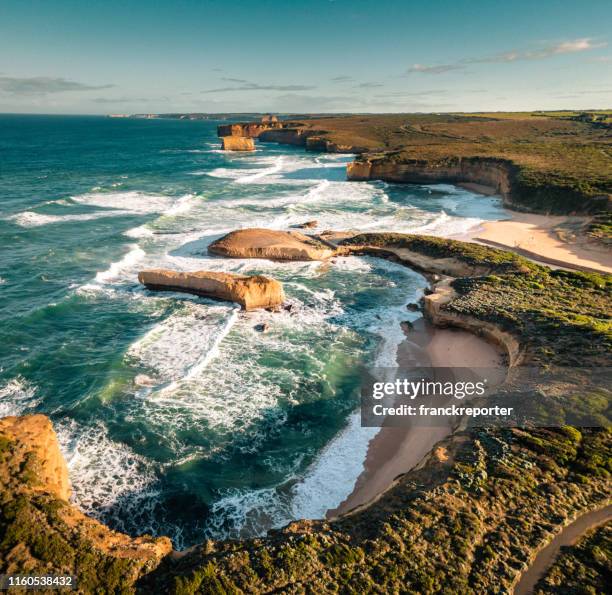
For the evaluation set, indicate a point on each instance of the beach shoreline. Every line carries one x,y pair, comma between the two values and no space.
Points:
552,240
394,451
557,241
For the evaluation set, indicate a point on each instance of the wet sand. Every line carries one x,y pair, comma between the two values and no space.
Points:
396,450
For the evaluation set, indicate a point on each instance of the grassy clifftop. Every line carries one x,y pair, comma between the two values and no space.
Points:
469,520
558,162
466,521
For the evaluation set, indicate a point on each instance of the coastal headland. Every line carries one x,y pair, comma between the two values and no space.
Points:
553,170
456,521
481,503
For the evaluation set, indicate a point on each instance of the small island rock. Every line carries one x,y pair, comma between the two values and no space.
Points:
251,292
269,243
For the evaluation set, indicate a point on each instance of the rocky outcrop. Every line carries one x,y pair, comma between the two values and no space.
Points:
41,533
237,143
251,292
248,129
495,173
271,244
306,225
35,434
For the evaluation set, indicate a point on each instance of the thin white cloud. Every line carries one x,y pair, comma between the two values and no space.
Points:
564,47
435,69
42,85
246,86
571,46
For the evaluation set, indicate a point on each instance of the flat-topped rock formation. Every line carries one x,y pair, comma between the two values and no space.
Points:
237,143
272,244
250,291
249,129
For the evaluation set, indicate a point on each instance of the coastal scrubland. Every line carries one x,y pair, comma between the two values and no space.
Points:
583,568
469,517
557,162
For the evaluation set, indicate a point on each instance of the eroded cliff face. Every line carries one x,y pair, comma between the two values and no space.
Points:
237,143
35,435
286,136
248,129
494,173
501,175
42,533
250,291
272,244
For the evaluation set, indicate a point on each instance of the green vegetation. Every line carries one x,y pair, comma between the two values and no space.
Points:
601,228
582,569
466,522
559,162
471,519
471,254
40,534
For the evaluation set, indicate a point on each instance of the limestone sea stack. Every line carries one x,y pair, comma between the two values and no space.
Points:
250,291
237,143
270,244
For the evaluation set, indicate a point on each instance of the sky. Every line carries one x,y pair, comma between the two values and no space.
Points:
300,56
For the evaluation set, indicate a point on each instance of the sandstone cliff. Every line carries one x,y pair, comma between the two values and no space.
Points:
237,143
272,244
251,292
501,175
35,434
41,533
249,129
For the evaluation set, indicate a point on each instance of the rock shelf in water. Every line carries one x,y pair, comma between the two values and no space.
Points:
250,291
271,244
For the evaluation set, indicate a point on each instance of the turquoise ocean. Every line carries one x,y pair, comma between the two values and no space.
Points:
174,414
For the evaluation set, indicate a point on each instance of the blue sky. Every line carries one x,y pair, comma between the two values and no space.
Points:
304,56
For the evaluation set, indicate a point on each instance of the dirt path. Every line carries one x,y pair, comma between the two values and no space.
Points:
568,536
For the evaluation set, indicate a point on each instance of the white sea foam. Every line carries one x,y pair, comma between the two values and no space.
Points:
109,480
182,345
33,219
241,513
115,270
331,478
16,396
114,204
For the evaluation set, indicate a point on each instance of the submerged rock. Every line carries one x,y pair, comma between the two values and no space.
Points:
306,224
272,244
264,327
251,292
237,143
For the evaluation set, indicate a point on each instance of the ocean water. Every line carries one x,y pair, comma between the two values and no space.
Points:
174,414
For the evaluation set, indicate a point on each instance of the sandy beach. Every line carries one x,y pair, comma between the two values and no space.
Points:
550,239
394,451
